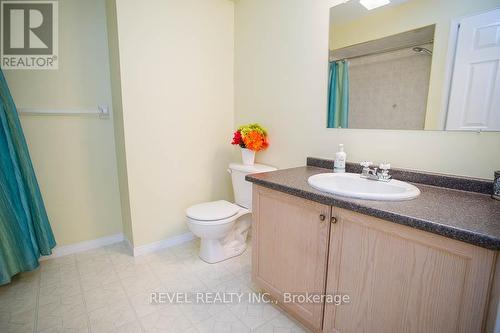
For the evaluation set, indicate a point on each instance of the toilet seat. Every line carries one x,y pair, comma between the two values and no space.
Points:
213,212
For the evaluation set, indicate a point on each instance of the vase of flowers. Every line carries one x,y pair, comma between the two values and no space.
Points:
251,138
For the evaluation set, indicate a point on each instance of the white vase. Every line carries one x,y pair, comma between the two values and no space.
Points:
248,156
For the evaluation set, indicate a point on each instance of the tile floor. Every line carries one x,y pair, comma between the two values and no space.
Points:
107,290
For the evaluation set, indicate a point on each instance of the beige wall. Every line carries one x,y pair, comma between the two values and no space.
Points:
408,16
73,156
281,60
176,65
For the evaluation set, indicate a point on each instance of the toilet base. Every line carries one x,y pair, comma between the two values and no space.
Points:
212,251
232,245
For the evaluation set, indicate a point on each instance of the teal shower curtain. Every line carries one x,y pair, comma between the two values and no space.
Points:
338,94
25,232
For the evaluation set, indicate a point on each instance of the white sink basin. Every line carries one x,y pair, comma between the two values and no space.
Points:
352,185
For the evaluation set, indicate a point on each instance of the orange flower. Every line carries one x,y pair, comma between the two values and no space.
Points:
255,141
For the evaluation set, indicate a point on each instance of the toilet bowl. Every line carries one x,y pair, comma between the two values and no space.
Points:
223,226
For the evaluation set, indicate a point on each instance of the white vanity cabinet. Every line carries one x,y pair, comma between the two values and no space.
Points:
399,279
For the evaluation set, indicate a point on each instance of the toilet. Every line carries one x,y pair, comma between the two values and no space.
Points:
221,225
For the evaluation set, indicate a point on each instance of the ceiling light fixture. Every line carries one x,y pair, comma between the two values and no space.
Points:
372,4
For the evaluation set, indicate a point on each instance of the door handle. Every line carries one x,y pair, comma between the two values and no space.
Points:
333,220
322,217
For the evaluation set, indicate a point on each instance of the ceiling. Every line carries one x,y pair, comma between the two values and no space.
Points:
353,10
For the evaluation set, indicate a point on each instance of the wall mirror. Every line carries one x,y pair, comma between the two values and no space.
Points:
414,65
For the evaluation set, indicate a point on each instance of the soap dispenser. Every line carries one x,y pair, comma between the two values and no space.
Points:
340,157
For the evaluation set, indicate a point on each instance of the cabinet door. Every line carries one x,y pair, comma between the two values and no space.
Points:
290,239
401,279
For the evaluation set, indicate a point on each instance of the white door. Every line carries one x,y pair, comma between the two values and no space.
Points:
475,88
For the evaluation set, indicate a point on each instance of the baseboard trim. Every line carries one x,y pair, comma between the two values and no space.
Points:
61,251
130,246
159,245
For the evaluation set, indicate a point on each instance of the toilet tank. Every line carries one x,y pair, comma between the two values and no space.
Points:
243,189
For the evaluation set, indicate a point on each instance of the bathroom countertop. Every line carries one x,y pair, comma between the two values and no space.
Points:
466,216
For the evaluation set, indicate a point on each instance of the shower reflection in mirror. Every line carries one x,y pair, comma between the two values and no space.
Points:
374,81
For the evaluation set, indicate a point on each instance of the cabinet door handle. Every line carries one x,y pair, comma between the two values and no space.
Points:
322,217
333,220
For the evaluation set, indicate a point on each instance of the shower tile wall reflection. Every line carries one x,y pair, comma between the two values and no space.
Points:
389,90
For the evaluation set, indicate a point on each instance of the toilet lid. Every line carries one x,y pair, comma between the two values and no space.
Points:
210,211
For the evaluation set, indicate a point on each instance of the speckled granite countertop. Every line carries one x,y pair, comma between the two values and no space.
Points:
466,216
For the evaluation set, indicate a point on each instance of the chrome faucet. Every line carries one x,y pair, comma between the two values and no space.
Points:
367,171
372,173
